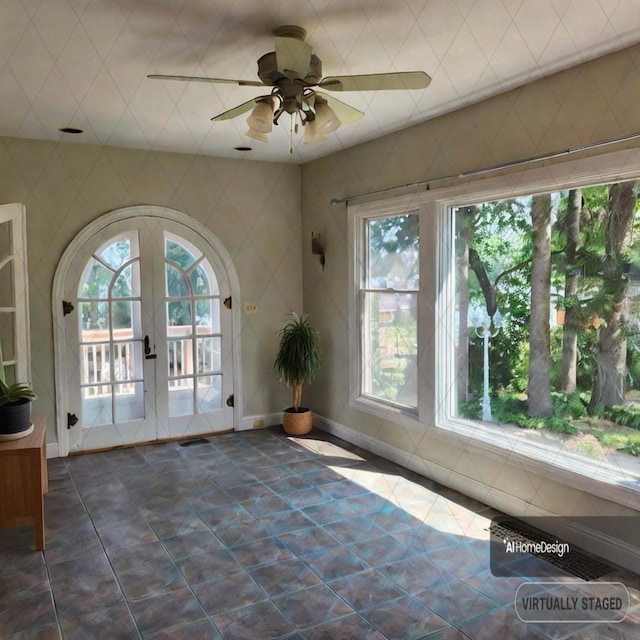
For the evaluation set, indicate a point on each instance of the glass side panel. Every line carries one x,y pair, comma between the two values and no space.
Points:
176,284
7,298
7,334
393,252
6,246
95,281
209,393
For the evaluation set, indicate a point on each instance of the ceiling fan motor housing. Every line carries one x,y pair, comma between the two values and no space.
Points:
269,74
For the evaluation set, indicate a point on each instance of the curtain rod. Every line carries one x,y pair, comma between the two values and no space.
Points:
496,167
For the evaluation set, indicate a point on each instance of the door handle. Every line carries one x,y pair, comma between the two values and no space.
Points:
147,350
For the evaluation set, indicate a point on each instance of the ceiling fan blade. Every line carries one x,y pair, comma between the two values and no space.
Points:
293,56
345,112
402,80
240,83
239,110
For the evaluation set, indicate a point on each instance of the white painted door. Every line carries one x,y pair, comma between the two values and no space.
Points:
151,347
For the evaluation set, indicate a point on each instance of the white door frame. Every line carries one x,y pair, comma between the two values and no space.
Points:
64,268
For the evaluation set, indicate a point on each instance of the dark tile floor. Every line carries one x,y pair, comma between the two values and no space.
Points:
256,535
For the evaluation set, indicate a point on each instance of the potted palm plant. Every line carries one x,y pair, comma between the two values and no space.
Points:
297,362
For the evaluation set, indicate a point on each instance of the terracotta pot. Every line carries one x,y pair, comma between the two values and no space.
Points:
297,422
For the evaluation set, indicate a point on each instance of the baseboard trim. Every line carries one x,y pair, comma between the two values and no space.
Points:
259,421
53,450
612,549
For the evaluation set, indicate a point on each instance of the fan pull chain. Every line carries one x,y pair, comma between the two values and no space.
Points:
293,126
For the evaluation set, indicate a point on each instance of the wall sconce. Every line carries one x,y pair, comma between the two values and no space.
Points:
316,248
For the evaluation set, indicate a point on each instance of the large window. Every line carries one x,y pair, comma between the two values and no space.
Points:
547,325
388,298
506,314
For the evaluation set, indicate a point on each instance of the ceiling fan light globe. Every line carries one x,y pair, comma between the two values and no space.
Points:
257,135
261,118
311,133
326,119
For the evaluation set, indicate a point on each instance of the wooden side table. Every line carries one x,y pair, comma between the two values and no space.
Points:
23,481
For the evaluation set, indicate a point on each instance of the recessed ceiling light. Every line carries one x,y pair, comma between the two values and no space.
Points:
70,130
243,148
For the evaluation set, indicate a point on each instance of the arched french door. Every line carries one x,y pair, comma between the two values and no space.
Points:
147,328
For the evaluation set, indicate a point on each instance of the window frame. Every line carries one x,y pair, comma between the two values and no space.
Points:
436,350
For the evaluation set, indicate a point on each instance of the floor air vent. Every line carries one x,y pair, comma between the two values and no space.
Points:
578,563
190,443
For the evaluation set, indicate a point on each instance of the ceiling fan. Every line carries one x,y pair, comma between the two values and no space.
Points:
295,73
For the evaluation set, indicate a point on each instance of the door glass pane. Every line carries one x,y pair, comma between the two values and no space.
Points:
178,254
127,282
176,284
127,361
96,406
115,254
209,393
200,282
181,397
208,315
122,318
95,281
95,363
94,319
208,355
6,285
179,316
180,357
129,401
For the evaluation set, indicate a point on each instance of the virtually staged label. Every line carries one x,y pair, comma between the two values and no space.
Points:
572,602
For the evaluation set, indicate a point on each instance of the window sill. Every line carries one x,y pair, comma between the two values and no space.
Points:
528,450
524,449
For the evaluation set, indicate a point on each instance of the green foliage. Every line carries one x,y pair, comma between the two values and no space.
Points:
570,406
510,409
627,415
15,393
631,446
298,357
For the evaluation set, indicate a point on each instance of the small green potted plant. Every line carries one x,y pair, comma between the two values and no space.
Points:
15,407
297,363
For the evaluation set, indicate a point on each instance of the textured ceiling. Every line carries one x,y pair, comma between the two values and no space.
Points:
83,63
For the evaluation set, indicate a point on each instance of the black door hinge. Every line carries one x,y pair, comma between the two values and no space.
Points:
230,401
67,308
72,420
227,302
